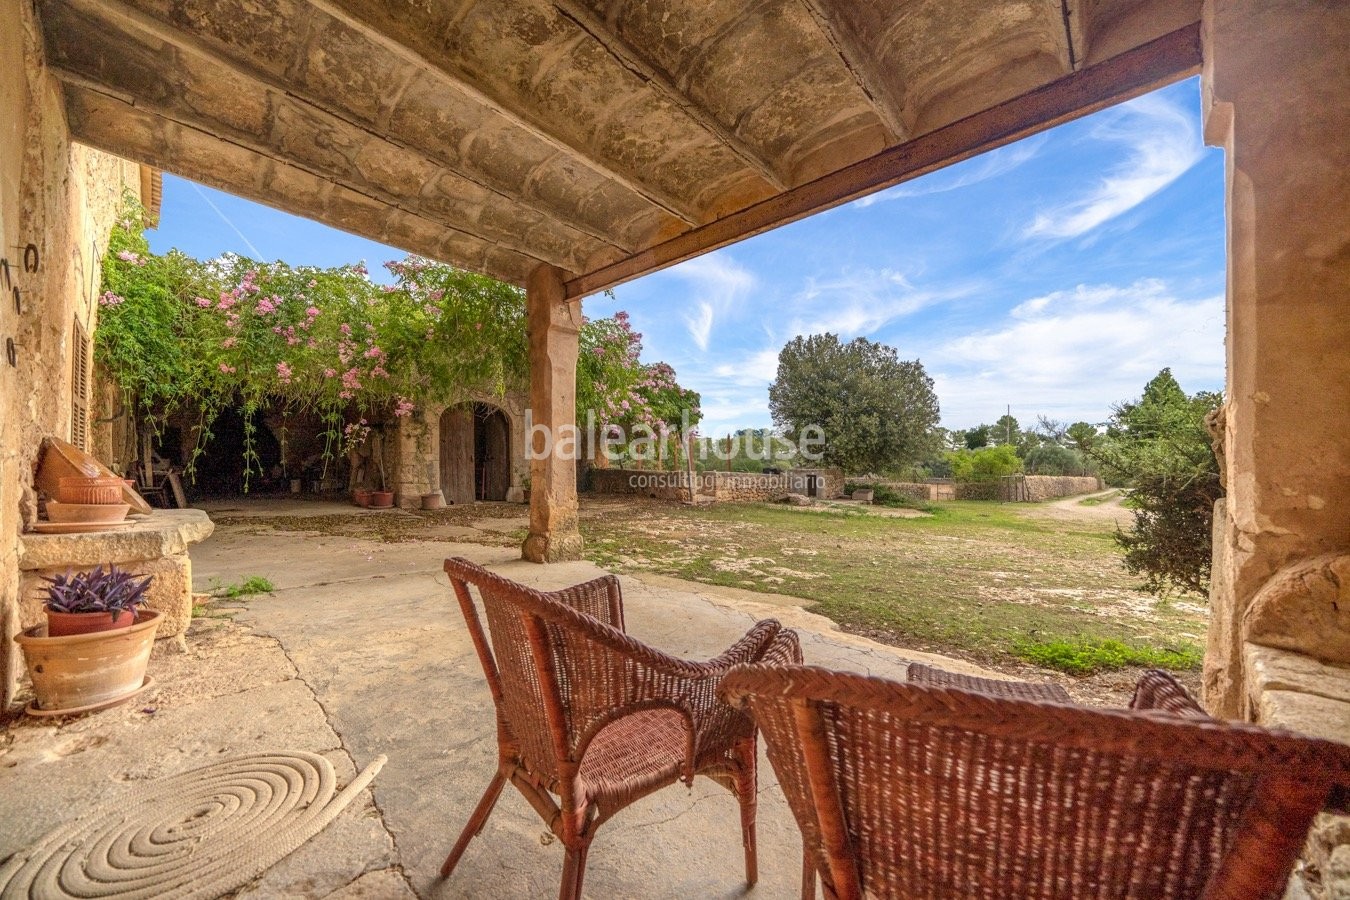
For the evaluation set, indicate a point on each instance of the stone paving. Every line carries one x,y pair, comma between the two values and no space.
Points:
362,651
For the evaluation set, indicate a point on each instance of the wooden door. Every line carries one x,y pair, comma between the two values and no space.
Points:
457,454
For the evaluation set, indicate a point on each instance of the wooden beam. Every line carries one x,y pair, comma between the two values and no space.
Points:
115,126
1138,71
859,58
348,12
637,62
122,16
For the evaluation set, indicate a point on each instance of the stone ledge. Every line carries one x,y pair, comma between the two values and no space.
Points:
1272,669
167,532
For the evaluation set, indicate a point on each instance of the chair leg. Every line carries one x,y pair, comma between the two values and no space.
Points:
476,822
808,877
747,795
574,871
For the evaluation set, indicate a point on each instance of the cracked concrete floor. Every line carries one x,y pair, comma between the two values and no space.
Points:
360,651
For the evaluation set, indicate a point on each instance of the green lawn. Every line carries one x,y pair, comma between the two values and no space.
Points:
989,581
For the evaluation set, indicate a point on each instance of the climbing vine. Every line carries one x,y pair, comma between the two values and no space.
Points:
180,334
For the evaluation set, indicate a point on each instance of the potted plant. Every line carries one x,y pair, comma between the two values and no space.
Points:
86,602
525,488
82,672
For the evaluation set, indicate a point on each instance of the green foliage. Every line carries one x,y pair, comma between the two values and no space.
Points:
1086,657
885,495
1160,446
177,333
1053,459
984,464
254,584
1082,435
874,411
977,437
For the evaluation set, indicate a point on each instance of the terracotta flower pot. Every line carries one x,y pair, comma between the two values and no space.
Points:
87,513
88,670
434,500
61,624
83,490
381,499
361,497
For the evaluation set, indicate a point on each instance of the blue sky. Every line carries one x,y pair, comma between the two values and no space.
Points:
1057,274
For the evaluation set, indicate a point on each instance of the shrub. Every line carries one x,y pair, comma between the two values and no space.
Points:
1086,657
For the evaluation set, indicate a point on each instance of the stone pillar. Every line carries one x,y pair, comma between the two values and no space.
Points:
554,324
1276,99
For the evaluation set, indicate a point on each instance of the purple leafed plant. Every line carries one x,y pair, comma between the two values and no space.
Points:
102,590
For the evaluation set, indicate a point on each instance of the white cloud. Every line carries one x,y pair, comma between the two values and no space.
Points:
700,324
1072,354
716,284
858,303
993,164
1163,141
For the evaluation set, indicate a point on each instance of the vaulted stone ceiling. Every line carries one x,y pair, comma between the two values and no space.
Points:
606,137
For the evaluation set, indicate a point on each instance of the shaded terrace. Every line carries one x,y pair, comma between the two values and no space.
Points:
362,651
573,145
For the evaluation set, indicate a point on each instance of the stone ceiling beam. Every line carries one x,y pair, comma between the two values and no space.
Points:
641,65
563,229
116,126
1145,68
886,97
355,14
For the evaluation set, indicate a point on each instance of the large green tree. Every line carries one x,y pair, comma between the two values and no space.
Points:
1161,446
875,411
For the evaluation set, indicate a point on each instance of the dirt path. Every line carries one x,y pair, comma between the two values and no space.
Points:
1074,509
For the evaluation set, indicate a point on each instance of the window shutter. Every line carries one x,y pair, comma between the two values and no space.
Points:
79,387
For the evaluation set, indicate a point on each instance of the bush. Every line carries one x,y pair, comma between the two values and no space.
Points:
1087,657
885,495
985,464
1052,459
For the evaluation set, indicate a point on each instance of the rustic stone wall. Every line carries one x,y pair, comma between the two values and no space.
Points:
415,458
1037,488
61,198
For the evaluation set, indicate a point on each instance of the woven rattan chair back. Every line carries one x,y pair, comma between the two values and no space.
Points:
917,791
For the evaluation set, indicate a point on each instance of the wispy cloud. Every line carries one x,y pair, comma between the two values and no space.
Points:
715,284
993,164
1073,353
1163,141
860,302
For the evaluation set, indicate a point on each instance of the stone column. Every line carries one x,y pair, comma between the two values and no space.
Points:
1276,99
554,324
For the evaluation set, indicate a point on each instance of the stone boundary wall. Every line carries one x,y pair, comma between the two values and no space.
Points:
975,490
1035,488
727,487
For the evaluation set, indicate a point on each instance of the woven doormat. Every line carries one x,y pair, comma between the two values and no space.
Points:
196,835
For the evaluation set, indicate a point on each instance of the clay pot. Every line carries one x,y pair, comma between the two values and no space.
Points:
80,489
87,513
60,459
85,670
61,624
434,500
361,497
381,499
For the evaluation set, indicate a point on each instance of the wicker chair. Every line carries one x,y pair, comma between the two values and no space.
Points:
913,791
918,673
590,720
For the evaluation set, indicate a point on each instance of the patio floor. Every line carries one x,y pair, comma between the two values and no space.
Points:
361,651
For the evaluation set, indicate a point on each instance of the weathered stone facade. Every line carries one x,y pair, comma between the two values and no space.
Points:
419,458
62,198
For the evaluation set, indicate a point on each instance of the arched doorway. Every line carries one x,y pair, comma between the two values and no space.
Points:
475,453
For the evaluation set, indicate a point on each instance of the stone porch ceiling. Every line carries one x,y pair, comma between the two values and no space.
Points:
606,138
